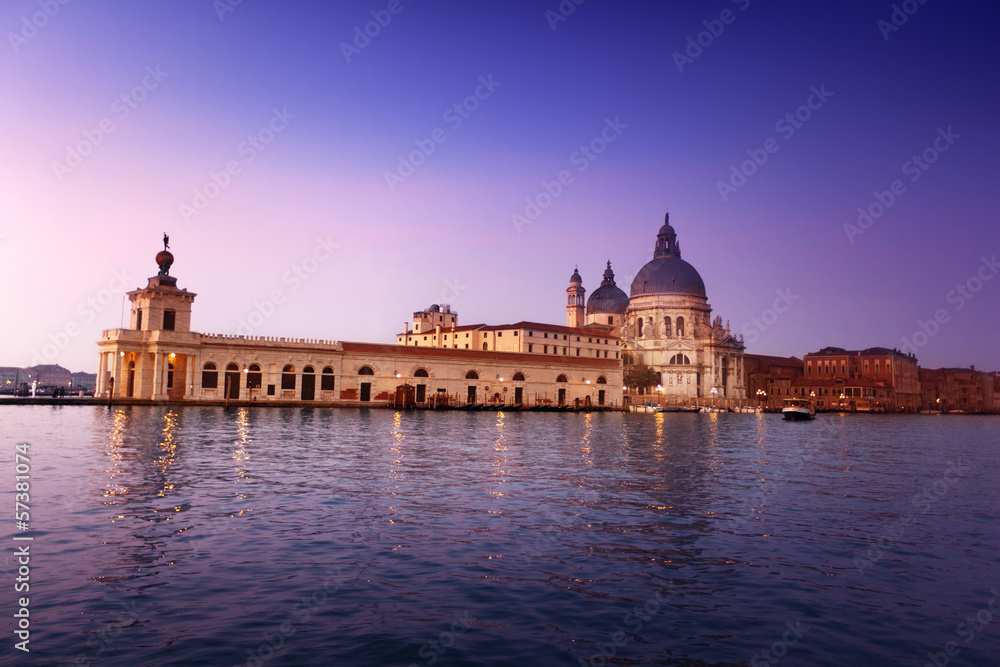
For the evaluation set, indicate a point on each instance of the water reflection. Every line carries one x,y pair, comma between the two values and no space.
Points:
240,453
499,457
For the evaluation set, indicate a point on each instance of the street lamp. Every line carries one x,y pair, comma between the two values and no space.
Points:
714,392
760,395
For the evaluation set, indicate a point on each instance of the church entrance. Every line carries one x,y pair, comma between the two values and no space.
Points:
308,384
366,391
471,397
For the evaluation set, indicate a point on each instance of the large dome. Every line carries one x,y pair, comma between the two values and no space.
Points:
667,273
608,299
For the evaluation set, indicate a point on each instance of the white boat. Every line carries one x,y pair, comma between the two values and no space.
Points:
798,409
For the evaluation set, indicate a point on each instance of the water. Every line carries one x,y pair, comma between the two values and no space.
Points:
185,536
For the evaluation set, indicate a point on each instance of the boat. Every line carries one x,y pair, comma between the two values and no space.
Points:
798,409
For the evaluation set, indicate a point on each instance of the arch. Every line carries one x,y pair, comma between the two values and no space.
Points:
232,367
638,328
561,378
308,369
518,377
421,373
288,377
209,375
326,382
366,370
472,375
680,360
486,346
602,380
680,327
666,327
254,376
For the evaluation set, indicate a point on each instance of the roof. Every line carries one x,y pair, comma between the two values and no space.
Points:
840,382
793,362
410,351
537,326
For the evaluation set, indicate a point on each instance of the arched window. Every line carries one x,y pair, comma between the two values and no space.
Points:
326,383
288,377
680,360
366,370
421,373
209,376
666,327
486,346
472,375
232,367
638,328
254,377
680,327
561,378
518,377
308,369
602,380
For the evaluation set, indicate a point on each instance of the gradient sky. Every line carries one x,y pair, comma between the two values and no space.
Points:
445,234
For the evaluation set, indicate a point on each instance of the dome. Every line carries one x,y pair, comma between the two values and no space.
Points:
667,273
575,278
608,299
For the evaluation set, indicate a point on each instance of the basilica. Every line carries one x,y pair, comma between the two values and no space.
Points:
664,323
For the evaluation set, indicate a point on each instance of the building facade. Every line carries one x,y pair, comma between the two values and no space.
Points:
668,327
892,370
159,358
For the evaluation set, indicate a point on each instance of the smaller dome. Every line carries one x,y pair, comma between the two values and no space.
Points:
608,299
164,260
575,278
434,308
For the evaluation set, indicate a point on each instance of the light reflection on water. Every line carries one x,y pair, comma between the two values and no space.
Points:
546,529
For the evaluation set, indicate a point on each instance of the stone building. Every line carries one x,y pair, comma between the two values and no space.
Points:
769,379
668,326
957,390
891,369
159,358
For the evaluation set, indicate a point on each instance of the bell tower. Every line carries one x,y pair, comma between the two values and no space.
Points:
575,305
160,305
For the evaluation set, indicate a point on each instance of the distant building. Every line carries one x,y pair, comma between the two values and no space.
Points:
881,367
52,375
957,390
769,379
85,381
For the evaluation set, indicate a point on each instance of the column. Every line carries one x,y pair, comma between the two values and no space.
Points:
157,373
101,369
189,390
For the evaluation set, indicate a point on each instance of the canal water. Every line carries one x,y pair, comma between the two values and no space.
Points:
199,536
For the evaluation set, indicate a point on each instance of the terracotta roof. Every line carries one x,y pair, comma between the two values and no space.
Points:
537,326
447,352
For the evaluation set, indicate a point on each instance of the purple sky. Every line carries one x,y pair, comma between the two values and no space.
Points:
196,86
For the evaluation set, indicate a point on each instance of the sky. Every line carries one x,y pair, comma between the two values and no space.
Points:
326,169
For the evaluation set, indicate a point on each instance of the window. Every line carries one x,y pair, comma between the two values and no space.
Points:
138,319
254,376
472,375
531,333
602,380
530,347
680,360
638,328
667,327
611,320
288,377
578,352
515,333
545,349
170,376
486,346
518,377
366,370
270,390
421,373
499,333
169,319
680,327
209,377
326,382
546,335
564,336
561,378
